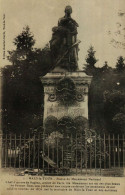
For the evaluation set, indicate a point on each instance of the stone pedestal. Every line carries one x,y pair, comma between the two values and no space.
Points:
52,107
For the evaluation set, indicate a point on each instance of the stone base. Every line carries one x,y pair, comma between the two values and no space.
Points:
53,107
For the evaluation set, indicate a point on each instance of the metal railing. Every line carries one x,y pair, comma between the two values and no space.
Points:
79,152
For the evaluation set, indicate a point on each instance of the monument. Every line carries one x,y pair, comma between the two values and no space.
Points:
65,86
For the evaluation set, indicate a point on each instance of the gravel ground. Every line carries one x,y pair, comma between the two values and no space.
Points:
113,172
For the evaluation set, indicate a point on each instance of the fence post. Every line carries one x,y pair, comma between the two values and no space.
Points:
81,154
123,152
20,152
4,145
43,152
118,153
29,152
10,149
34,151
48,155
109,152
90,153
76,153
86,155
0,149
95,154
114,149
124,155
62,156
24,151
104,152
53,152
15,151
100,159
57,156
38,150
71,151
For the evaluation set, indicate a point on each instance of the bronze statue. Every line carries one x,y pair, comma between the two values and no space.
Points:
64,43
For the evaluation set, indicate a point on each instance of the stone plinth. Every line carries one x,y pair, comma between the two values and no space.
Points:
52,106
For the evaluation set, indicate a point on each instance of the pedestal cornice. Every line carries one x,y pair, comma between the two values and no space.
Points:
79,77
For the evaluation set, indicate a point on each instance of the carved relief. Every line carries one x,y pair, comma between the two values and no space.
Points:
79,97
52,97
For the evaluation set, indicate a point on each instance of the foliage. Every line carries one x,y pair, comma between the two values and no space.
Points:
114,101
53,137
106,94
50,124
119,122
24,43
105,68
120,65
106,98
25,40
22,109
91,61
66,125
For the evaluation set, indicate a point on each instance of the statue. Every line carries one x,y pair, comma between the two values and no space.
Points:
64,43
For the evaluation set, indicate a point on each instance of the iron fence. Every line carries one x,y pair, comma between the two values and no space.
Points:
55,152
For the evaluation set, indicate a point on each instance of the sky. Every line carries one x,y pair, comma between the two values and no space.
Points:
101,24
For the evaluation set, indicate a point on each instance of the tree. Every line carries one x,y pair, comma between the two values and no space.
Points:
91,60
23,108
103,113
104,79
114,102
120,65
106,68
25,40
119,123
24,43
